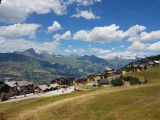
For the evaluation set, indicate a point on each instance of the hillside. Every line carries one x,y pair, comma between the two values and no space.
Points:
152,74
127,102
42,67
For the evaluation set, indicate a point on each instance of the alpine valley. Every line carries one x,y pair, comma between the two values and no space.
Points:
41,67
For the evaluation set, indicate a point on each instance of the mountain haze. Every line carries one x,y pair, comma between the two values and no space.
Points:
42,67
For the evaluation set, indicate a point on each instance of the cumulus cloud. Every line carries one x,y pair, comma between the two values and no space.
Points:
74,50
154,46
85,14
132,31
55,27
66,35
152,36
99,50
8,45
100,34
16,11
137,46
19,30
135,34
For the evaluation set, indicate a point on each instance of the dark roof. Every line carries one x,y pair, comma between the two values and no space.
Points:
135,65
103,81
151,63
2,85
1,82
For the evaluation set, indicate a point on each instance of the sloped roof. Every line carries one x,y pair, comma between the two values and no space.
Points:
11,84
103,81
151,63
157,62
17,83
23,83
141,65
107,68
53,85
2,85
44,87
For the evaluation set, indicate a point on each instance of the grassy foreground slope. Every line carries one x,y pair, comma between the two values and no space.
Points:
141,102
152,74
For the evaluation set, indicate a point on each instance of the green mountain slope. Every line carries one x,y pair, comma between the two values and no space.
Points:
43,67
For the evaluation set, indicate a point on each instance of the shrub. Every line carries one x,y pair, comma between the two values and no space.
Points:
99,84
117,82
145,67
135,81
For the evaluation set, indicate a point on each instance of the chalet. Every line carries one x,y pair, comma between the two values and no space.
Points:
118,71
60,81
20,87
110,72
137,67
43,88
82,81
63,81
4,91
53,86
104,82
107,69
156,62
151,63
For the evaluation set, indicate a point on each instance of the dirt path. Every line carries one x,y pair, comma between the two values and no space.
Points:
46,106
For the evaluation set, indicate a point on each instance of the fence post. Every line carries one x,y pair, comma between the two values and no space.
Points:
1,116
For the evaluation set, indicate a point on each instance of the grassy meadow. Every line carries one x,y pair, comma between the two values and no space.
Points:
139,102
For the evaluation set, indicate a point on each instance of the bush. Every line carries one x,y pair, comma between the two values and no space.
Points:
145,67
135,81
99,84
117,82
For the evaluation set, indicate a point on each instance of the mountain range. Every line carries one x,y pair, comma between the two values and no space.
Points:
41,67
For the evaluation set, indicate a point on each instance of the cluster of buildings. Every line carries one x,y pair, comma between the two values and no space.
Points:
139,66
111,72
11,88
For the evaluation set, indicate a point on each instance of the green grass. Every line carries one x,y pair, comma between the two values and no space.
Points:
152,74
139,104
121,103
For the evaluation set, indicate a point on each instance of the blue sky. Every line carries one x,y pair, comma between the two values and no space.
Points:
105,28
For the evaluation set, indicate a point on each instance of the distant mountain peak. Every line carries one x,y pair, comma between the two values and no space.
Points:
31,51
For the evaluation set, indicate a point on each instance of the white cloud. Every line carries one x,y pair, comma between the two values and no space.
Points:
70,46
99,50
19,30
74,50
122,46
85,14
137,46
125,55
16,11
154,46
8,45
86,2
66,35
152,36
135,34
132,31
57,36
55,27
100,34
